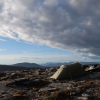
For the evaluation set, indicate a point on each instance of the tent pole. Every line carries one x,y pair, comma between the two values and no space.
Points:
70,74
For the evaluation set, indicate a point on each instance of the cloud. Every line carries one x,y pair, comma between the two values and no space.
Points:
68,24
3,49
90,56
2,40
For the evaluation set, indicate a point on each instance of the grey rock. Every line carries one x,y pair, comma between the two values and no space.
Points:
86,95
80,98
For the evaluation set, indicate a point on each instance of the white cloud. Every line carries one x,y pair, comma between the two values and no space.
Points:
2,40
3,49
68,24
43,58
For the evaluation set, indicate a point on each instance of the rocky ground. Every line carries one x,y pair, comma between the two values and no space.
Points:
35,84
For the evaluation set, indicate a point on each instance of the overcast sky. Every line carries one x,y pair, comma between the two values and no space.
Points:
49,31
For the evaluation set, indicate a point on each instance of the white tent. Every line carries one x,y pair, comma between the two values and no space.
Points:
69,71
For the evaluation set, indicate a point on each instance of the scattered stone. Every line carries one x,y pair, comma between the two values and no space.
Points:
86,95
35,84
80,98
19,96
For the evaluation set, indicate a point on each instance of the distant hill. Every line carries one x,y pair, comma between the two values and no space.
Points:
9,67
25,64
20,66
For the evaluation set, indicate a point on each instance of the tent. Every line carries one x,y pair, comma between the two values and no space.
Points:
71,71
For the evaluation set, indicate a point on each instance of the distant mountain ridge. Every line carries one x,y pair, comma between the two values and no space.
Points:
53,64
26,64
57,64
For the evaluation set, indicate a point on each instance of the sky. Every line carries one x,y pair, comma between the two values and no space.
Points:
40,31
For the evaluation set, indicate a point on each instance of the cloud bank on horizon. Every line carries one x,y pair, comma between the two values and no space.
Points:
67,24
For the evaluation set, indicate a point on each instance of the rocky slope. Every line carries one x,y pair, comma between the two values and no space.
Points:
35,84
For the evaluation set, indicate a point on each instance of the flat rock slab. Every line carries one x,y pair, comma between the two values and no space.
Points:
55,86
96,75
